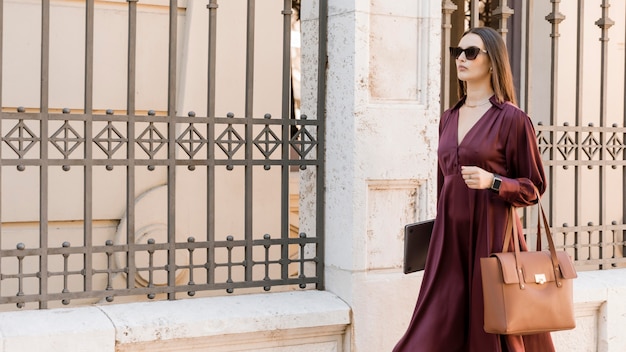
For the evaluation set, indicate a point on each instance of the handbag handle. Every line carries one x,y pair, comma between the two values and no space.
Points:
512,229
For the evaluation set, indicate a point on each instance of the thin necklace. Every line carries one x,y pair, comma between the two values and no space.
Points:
476,105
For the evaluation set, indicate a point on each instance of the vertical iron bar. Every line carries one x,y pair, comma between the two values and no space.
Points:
249,97
171,168
525,72
555,18
447,8
474,13
248,153
322,63
286,117
578,209
43,171
130,169
88,172
502,13
579,62
623,157
526,45
1,69
212,6
604,23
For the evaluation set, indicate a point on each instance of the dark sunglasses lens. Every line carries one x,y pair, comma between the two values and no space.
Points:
471,52
455,52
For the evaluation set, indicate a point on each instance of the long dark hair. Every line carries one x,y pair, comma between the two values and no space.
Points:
501,76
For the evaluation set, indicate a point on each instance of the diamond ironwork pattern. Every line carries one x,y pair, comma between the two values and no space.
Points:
113,140
151,140
21,139
615,146
229,141
566,145
267,141
66,139
191,140
543,143
303,142
591,146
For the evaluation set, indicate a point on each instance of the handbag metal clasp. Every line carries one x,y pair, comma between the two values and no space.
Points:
540,279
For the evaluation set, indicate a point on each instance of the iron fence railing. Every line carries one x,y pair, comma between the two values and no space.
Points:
578,160
46,150
23,146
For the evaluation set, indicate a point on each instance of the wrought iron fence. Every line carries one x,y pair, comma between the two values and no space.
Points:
580,158
67,260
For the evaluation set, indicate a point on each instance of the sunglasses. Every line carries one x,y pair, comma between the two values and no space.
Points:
470,53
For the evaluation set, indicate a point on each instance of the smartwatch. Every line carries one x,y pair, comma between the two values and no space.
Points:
497,181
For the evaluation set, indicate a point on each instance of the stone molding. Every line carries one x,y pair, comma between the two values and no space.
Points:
302,320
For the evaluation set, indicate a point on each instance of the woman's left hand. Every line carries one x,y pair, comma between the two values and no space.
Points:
476,178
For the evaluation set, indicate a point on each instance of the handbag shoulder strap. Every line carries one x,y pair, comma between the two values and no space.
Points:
508,232
516,246
552,248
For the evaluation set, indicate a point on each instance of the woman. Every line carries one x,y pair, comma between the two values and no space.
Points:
488,161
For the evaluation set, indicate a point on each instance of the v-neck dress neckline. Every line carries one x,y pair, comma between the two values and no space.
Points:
471,129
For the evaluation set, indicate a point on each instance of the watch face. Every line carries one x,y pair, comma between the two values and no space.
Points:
496,184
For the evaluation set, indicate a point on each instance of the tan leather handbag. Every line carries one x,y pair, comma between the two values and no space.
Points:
528,292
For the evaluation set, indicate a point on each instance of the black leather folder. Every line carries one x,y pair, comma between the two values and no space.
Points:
416,241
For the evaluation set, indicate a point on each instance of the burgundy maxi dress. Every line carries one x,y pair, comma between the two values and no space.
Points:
470,224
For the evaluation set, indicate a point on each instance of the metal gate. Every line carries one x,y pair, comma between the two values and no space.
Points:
200,163
574,89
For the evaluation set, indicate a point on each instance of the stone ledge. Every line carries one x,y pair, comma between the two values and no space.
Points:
308,319
315,339
600,313
83,329
217,316
595,286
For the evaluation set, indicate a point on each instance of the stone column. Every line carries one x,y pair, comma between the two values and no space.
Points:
382,116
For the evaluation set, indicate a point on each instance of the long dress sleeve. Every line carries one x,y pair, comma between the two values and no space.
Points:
525,171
